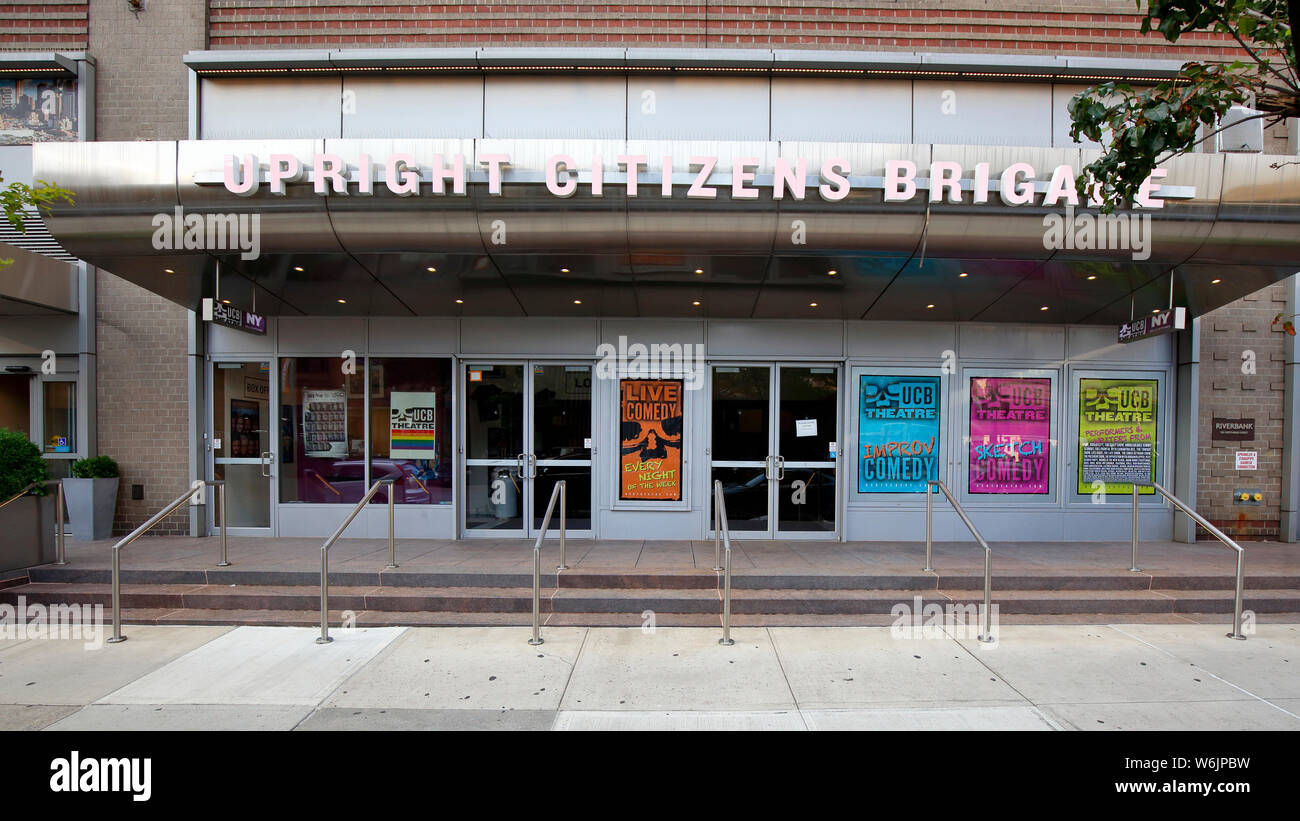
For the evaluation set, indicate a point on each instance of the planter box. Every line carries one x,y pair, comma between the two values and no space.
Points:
91,504
28,525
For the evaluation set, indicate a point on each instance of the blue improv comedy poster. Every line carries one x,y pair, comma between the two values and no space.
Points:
898,433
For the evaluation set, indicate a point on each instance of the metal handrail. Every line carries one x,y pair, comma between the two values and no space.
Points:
1214,531
325,552
722,534
559,492
986,634
197,487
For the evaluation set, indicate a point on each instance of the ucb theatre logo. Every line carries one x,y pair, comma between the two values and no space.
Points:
412,416
75,774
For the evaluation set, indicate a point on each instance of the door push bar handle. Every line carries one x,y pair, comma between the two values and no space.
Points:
267,458
519,465
780,467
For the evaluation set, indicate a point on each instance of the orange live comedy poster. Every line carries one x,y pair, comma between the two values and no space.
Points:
650,453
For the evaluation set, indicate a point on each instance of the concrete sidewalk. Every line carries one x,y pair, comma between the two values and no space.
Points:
1117,677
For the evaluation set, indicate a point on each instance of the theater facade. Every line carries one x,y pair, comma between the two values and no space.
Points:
823,279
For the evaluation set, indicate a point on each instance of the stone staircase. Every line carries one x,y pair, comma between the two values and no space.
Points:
671,598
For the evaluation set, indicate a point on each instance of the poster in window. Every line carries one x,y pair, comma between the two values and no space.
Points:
898,433
412,425
245,429
650,439
325,423
1117,434
1010,435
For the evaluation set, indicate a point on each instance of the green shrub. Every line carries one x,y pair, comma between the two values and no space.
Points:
96,467
21,464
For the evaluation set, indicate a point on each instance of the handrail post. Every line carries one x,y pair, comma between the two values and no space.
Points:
325,552
1133,557
1222,537
1236,602
392,539
564,509
324,597
717,526
221,500
987,635
537,598
724,527
126,540
929,527
558,493
117,598
61,557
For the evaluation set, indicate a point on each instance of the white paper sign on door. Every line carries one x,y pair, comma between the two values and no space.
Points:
805,427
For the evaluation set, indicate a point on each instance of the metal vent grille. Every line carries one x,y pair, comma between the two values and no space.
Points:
37,238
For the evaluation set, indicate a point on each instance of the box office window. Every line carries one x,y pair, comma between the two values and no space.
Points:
410,429
322,430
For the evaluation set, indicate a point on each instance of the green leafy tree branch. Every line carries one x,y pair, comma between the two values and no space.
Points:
1140,129
16,198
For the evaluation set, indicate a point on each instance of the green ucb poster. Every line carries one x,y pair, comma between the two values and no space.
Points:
1117,433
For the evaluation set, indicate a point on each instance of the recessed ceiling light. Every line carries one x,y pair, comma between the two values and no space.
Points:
931,305
460,302
831,273
696,302
1044,308
963,274
431,269
297,267
564,270
577,302
225,302
1215,281
1092,277
168,271
699,270
812,304
1155,310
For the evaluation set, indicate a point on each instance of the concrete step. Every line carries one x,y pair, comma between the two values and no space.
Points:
704,601
1119,579
381,618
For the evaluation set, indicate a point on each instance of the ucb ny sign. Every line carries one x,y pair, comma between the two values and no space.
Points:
228,315
1162,322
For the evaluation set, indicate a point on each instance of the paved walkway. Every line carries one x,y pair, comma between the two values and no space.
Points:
749,556
1119,677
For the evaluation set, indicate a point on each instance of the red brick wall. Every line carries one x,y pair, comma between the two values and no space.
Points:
55,25
1090,27
1226,391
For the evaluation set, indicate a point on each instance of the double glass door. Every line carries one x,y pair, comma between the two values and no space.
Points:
527,425
774,445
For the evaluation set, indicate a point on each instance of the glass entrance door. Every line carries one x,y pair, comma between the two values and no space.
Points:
774,442
240,443
527,426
